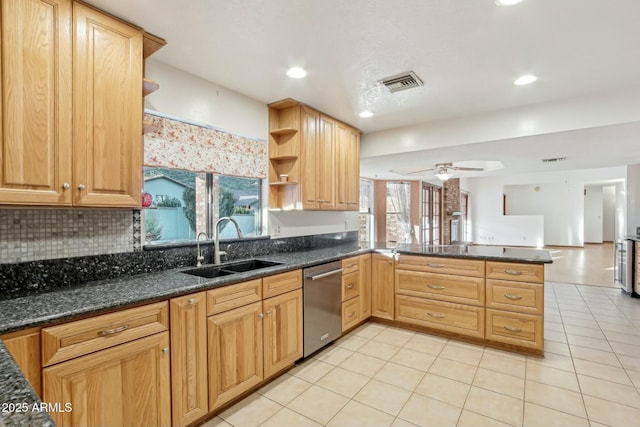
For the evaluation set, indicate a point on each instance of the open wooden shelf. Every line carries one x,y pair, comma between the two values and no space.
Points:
279,183
149,86
283,131
283,157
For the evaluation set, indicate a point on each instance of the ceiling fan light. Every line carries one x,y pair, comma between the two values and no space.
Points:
443,175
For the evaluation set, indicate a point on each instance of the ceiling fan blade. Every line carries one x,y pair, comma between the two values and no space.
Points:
412,172
461,168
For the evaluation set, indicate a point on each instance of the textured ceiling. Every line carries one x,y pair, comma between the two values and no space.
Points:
467,52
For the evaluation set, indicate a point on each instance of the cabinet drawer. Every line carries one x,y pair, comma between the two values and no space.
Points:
350,285
349,265
233,296
457,318
444,287
456,266
515,271
74,339
350,313
523,330
515,296
281,283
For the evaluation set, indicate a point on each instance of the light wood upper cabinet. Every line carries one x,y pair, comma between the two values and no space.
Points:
320,156
107,99
189,386
347,168
282,331
35,144
126,385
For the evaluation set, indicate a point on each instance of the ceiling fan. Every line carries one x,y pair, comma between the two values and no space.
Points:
442,170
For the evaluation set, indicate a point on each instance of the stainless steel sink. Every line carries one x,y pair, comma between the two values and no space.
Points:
211,272
253,264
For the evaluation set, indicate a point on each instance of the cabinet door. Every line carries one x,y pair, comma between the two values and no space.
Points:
189,386
365,286
107,97
326,163
24,347
35,144
235,353
309,170
382,304
282,331
347,167
126,385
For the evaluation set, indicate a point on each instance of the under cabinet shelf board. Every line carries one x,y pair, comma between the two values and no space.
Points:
278,183
283,131
283,157
149,86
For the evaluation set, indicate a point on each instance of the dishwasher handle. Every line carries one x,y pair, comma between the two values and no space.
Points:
321,275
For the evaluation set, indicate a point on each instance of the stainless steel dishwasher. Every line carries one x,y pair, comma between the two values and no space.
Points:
322,306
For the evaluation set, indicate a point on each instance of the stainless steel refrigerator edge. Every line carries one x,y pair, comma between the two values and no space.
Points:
322,306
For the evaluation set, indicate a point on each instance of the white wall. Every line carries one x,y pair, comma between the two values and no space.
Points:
608,214
633,199
187,96
621,210
559,208
593,214
190,97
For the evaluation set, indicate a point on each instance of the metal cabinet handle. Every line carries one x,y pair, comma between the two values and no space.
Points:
81,187
353,313
108,332
260,315
435,265
436,315
350,286
268,313
513,297
191,301
513,272
512,329
66,186
352,265
435,287
165,350
321,275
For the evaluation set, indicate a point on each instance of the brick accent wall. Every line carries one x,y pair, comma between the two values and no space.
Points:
450,204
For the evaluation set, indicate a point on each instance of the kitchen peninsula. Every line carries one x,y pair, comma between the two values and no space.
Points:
480,293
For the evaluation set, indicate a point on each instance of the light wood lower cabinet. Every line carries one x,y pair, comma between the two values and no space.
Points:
382,305
189,380
235,353
24,347
126,385
523,330
365,286
282,331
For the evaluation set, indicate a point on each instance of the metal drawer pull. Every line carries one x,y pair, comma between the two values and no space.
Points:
435,287
350,286
513,272
353,313
512,329
436,315
435,265
191,301
268,312
511,296
260,315
165,350
321,275
113,331
352,265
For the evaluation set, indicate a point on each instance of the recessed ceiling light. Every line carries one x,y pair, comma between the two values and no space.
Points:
296,72
366,114
525,80
507,2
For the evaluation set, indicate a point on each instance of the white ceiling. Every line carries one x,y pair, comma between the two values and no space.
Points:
468,52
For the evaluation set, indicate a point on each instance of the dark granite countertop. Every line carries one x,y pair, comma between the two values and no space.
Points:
634,238
104,295
17,397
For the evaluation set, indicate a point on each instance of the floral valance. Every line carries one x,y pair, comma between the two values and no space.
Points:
180,145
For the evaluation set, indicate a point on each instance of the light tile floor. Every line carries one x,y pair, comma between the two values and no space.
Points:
385,376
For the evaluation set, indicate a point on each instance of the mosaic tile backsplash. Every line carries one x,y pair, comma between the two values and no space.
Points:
39,234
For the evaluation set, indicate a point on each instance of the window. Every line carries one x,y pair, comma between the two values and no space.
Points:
365,217
431,214
398,212
180,207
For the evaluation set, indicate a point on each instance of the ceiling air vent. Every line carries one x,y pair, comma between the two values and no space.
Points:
402,82
554,160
